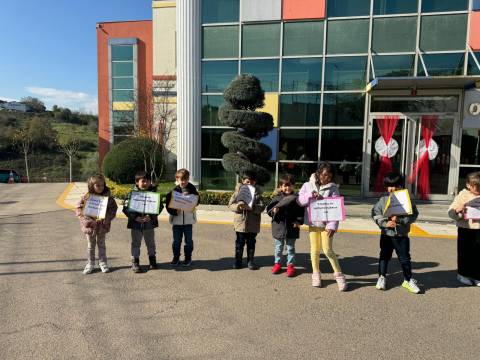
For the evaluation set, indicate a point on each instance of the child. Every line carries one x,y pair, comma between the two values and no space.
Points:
468,240
321,237
94,229
246,221
394,235
287,217
142,225
182,221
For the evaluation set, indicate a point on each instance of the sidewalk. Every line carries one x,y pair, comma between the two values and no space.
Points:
432,222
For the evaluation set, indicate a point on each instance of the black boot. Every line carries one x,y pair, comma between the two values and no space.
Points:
238,260
136,266
153,262
250,255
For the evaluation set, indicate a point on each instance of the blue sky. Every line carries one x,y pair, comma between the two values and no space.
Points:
48,48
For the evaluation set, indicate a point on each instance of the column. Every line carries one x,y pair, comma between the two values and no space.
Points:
189,128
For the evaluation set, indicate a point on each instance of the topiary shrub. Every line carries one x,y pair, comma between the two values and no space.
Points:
246,152
131,155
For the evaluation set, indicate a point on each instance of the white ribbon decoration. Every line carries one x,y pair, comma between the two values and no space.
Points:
387,150
432,149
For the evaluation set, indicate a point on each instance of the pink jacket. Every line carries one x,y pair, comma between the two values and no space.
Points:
327,190
90,225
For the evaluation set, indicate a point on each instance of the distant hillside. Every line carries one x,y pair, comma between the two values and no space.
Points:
46,129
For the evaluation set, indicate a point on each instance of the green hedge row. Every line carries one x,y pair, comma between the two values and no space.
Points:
120,191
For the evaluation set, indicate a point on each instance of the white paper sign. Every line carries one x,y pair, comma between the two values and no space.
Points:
144,202
183,202
246,193
473,210
398,203
325,210
96,206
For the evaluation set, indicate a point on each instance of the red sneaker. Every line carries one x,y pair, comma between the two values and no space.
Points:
290,270
277,268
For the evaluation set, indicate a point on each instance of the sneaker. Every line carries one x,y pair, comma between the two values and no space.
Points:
290,270
476,282
465,280
136,266
252,266
277,268
104,267
316,279
88,269
175,261
153,263
381,283
187,262
341,282
411,286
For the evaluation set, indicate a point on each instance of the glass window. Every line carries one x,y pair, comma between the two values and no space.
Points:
261,40
271,140
303,38
476,5
302,74
348,8
265,70
443,32
210,105
343,109
122,83
215,177
220,41
301,171
394,34
398,65
122,52
300,110
442,64
298,144
462,179
473,68
347,36
123,123
340,145
216,75
444,5
211,144
431,104
470,153
217,11
122,69
123,95
345,73
388,7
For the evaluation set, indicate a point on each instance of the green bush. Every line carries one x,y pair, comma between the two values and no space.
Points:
126,158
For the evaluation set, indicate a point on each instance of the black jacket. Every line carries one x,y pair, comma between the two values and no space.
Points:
289,213
189,189
132,215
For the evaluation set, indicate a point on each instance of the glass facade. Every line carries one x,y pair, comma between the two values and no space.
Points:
318,68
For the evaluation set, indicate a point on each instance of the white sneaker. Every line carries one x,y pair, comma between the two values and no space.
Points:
476,282
104,267
411,286
88,269
381,283
465,280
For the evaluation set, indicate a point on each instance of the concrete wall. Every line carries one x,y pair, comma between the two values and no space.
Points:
164,26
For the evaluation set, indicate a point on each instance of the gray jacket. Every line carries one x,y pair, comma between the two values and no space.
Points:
403,221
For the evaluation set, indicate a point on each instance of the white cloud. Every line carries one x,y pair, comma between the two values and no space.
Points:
7,98
74,100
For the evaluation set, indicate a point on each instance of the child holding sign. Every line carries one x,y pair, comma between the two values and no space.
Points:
395,226
321,234
142,206
465,210
181,203
96,210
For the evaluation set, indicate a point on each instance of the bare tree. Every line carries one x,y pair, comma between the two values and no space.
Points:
69,145
23,141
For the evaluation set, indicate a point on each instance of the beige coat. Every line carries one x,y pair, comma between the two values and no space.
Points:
247,221
462,198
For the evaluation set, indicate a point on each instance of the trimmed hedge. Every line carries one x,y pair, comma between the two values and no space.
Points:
126,158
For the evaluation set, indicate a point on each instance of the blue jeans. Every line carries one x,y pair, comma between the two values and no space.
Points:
279,244
180,231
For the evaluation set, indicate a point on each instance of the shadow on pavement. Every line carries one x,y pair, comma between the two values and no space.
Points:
45,261
39,272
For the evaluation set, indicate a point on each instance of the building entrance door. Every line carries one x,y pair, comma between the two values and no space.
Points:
419,146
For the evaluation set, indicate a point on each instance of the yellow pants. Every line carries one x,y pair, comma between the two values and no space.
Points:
319,240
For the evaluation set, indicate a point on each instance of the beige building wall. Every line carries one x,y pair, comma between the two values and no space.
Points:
164,31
